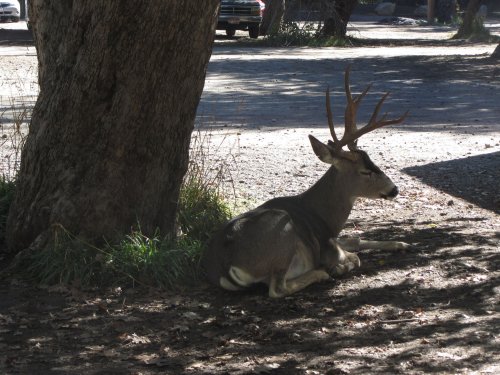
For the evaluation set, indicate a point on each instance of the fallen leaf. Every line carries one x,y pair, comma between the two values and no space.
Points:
196,365
266,368
191,316
146,358
134,339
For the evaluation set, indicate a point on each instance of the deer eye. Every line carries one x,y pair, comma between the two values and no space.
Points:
366,173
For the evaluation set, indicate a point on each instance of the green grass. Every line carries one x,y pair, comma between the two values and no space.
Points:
137,259
156,261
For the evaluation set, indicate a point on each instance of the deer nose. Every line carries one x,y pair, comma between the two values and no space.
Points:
393,192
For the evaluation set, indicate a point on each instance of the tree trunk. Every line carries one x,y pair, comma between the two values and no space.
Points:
445,9
338,17
465,29
273,16
108,144
431,10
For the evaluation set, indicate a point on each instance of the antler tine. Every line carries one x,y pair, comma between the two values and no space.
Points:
330,116
352,133
391,122
350,101
350,111
377,108
368,128
375,124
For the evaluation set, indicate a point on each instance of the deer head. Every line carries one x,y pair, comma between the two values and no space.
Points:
355,162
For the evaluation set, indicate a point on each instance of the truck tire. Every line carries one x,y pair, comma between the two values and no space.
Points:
253,31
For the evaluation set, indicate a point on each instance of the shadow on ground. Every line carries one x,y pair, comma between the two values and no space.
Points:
475,178
356,324
452,91
15,37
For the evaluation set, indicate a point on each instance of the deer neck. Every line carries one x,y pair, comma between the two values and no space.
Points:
331,199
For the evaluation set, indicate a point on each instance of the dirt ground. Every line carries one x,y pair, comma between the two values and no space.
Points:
431,309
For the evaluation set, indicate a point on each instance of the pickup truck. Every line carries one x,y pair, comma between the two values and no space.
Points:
241,15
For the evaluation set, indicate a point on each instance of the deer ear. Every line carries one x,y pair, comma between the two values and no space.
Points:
322,151
326,153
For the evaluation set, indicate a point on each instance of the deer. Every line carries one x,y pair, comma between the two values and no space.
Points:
289,243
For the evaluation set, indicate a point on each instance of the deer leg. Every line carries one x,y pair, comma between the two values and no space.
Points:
383,245
354,244
351,244
279,287
341,261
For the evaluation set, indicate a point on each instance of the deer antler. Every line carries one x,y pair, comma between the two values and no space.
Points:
352,133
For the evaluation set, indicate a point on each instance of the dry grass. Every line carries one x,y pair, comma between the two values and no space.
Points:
13,133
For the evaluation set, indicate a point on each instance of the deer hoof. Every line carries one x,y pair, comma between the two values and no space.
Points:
351,261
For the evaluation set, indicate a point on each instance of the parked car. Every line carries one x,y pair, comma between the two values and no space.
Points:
10,11
241,15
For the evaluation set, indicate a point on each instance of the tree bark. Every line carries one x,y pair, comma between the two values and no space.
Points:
431,10
338,17
108,144
273,16
444,10
465,29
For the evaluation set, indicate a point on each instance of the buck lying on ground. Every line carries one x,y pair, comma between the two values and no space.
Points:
289,243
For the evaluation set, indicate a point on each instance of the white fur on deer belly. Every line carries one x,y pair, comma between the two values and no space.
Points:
302,262
242,278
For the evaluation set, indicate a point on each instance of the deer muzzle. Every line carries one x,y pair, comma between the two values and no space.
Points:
392,194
